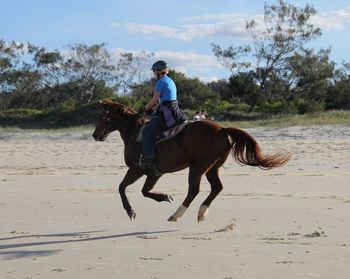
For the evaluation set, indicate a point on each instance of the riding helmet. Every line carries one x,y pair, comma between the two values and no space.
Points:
159,65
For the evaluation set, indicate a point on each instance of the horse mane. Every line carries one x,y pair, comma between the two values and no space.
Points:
107,102
125,108
128,111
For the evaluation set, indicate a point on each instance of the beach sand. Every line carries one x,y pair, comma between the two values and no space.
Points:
61,215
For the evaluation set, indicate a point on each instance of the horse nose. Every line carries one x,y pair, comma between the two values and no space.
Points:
94,135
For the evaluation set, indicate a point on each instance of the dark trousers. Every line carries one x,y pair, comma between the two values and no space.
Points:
153,127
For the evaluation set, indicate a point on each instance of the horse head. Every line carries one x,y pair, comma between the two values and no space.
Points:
111,118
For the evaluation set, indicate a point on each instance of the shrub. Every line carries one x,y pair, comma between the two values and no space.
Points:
22,112
304,106
278,108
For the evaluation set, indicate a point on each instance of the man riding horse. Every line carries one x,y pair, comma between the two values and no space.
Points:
167,113
202,146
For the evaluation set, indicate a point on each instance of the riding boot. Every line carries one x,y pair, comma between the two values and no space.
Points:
150,163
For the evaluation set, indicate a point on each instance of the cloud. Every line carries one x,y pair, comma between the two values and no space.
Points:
207,26
225,25
185,61
328,21
153,30
217,18
188,62
188,32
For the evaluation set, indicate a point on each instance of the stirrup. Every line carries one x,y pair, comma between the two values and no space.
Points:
139,161
155,170
150,164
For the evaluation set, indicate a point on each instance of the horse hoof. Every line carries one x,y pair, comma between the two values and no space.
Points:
203,212
168,198
132,215
179,212
172,219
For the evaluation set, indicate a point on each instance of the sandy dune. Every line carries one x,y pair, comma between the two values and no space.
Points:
61,217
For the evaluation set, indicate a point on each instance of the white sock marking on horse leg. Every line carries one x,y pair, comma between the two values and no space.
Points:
203,212
179,212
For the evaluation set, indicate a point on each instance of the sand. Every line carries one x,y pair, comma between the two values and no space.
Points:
61,215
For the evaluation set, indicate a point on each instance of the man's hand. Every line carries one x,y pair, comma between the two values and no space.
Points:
142,110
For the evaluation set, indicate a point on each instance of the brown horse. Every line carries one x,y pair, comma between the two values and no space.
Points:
203,146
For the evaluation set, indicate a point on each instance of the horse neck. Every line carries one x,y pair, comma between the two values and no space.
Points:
128,130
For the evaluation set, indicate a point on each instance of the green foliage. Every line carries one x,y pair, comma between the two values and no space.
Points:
87,67
62,113
125,100
278,108
320,118
287,30
303,106
191,92
130,69
141,93
21,117
101,91
232,57
23,113
338,95
244,87
272,77
297,106
226,110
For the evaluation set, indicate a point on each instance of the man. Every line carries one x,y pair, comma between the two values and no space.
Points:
167,113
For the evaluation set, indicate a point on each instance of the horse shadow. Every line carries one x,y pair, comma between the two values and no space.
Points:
74,237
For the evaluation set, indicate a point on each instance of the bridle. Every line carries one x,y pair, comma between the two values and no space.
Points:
106,117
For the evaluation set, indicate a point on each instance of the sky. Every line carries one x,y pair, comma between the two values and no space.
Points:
178,31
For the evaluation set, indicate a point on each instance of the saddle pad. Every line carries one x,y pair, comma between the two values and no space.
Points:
172,132
168,134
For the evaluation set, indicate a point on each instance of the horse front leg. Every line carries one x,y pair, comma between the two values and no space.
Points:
131,176
151,180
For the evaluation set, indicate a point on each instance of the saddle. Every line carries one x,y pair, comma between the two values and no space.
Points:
165,135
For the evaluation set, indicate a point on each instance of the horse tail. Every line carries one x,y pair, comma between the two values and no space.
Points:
246,151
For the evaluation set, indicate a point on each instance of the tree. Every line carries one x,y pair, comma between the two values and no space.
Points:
49,63
131,71
243,87
191,92
18,77
310,75
286,32
338,94
221,87
11,67
87,66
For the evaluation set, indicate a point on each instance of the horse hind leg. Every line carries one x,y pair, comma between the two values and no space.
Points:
194,180
216,187
151,180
